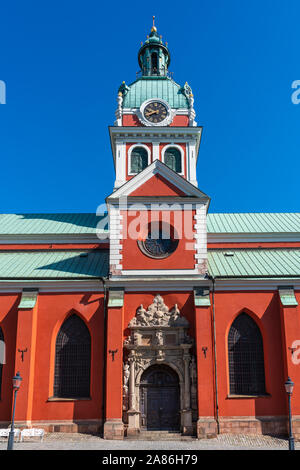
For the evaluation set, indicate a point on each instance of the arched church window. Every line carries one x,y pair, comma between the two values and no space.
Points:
2,357
72,360
138,160
172,159
246,357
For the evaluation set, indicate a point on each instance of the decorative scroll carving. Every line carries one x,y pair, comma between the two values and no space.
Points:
158,314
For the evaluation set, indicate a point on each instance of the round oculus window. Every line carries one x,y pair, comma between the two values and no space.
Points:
160,245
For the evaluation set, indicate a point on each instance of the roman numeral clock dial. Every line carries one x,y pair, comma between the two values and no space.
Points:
155,112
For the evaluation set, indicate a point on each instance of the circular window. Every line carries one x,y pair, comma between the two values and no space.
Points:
158,245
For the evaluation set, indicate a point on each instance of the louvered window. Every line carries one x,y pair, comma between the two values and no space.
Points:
139,160
246,357
172,159
72,360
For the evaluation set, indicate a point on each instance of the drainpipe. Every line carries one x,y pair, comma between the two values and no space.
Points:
215,352
102,279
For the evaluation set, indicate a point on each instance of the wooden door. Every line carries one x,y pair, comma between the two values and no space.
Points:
159,399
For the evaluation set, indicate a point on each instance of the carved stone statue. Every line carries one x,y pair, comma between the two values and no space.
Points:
158,314
159,338
126,374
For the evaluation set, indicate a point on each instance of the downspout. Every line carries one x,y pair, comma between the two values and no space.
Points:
102,279
215,353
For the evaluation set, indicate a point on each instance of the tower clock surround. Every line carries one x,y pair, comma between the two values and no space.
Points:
155,112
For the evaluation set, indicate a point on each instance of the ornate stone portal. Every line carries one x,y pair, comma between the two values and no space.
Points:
159,336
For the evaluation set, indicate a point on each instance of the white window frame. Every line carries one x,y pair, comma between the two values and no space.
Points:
166,147
129,156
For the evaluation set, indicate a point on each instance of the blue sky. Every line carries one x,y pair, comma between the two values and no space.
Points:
62,62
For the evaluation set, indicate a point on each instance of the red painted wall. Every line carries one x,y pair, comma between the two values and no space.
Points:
264,308
132,120
8,323
133,258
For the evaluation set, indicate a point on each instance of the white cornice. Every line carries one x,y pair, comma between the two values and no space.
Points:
135,283
152,133
157,167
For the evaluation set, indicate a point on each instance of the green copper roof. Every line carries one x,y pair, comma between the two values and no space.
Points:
253,223
53,264
149,87
40,224
86,223
254,263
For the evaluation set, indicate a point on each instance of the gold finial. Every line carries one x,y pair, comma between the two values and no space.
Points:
153,27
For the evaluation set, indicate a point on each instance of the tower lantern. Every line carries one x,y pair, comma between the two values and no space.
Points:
154,57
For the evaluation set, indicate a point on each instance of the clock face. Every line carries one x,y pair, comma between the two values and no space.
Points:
159,247
155,112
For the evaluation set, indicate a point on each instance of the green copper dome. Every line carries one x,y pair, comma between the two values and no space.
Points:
159,87
154,79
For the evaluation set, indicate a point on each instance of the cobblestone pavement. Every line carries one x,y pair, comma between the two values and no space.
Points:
69,441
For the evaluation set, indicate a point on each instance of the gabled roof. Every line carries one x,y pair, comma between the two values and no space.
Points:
158,168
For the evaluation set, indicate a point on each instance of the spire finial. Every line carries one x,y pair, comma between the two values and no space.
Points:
153,27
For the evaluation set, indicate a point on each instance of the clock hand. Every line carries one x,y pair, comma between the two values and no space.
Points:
152,112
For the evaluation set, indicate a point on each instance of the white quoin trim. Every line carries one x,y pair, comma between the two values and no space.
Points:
181,153
130,152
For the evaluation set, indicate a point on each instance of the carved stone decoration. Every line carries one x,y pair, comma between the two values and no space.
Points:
159,336
126,374
158,314
187,92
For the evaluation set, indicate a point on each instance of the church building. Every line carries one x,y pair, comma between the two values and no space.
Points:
156,315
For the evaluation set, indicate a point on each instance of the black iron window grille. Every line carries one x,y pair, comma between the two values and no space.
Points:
72,360
246,357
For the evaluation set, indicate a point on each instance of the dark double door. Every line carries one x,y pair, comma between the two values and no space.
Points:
159,399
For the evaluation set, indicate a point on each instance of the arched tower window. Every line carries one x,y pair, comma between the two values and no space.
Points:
138,160
72,360
172,158
2,357
246,357
154,65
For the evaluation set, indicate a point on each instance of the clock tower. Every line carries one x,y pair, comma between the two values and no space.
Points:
158,245
161,228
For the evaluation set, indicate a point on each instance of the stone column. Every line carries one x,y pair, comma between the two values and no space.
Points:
187,425
133,414
131,383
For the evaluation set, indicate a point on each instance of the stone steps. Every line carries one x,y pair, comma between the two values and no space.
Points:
160,436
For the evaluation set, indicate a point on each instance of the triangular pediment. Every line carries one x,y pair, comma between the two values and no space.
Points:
158,180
